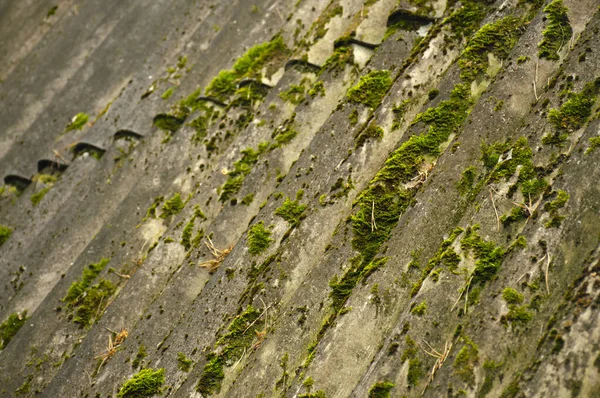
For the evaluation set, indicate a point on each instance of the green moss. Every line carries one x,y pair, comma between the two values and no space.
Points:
294,94
517,316
183,362
25,387
248,199
558,30
38,196
145,383
594,144
139,357
398,111
51,11
492,371
316,394
332,10
497,38
241,169
353,117
465,184
5,233
419,309
259,238
317,89
511,296
292,211
562,197
489,256
248,65
465,361
371,132
381,389
230,347
371,88
168,93
168,123
186,234
465,20
84,300
10,327
415,372
151,212
573,114
517,213
77,122
172,206
338,60
284,136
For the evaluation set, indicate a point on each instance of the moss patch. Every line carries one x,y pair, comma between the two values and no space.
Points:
10,327
562,197
145,383
558,30
259,238
381,389
465,361
77,122
489,256
241,169
370,133
248,65
183,362
511,296
5,233
168,123
172,206
292,211
371,88
38,196
85,300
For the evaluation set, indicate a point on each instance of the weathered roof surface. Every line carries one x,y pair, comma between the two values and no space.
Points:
301,198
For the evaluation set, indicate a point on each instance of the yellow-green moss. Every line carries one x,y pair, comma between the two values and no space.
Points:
10,327
77,122
292,211
259,238
183,362
371,88
381,389
558,30
145,383
5,233
465,361
172,206
511,296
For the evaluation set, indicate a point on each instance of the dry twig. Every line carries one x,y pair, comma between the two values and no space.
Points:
441,358
219,256
112,347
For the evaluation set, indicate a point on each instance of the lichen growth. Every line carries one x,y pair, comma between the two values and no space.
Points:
145,383
371,88
259,238
10,327
557,32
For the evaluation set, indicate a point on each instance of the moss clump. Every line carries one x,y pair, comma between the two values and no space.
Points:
172,206
371,88
557,32
465,20
398,112
332,10
231,346
168,123
594,144
573,114
516,214
316,394
285,136
562,197
5,233
183,362
241,169
489,256
294,94
371,132
467,179
77,122
248,65
492,371
497,38
38,196
419,309
511,296
341,288
168,93
517,316
381,389
83,299
186,235
139,357
248,199
465,361
145,383
10,327
292,211
338,60
259,238
317,89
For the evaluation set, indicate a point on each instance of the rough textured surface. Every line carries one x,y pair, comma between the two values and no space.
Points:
300,198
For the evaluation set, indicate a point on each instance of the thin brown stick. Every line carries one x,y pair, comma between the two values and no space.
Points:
547,269
535,80
495,211
373,223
